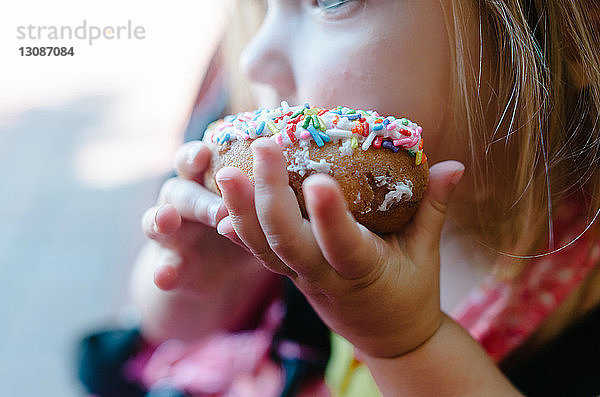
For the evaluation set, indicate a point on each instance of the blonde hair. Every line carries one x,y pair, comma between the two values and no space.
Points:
531,94
248,16
542,110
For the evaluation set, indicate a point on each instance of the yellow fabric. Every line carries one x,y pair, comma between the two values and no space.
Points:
345,376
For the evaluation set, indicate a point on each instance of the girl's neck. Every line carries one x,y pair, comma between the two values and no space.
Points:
464,264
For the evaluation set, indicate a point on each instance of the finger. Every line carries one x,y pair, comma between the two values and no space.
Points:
192,159
161,221
238,195
349,247
167,275
193,201
288,234
429,219
226,229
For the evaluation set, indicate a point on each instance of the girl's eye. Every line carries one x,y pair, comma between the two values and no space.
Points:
329,4
336,8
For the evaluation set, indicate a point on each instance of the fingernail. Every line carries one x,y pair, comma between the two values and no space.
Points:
215,209
457,175
191,153
155,221
225,227
259,146
219,177
159,211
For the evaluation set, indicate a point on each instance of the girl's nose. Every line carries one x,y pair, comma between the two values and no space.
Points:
267,58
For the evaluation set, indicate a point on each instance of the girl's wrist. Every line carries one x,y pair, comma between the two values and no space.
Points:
409,336
449,363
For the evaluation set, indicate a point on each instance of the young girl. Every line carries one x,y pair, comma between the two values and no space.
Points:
509,91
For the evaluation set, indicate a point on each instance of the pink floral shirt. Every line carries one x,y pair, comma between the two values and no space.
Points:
502,315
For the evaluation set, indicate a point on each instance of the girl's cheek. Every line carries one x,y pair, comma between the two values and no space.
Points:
342,75
368,76
403,71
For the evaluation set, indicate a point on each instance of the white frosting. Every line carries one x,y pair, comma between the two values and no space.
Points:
322,166
346,148
300,163
400,191
383,180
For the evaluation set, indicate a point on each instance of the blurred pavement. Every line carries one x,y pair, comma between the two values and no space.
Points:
65,247
85,142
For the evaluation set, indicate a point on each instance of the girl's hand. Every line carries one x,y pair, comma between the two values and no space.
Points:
382,294
183,225
205,282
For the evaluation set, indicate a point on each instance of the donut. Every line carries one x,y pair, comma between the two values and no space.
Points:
377,161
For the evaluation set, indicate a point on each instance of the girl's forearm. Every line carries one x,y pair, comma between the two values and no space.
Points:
450,363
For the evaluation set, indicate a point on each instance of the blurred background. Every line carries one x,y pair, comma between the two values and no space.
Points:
85,142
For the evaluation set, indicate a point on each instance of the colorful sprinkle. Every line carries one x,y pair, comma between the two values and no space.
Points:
278,138
290,132
261,127
419,157
306,123
324,136
337,133
377,142
322,125
272,127
367,143
298,113
315,122
404,142
288,124
390,145
315,135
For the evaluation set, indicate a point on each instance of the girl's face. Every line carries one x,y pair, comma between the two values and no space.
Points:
392,56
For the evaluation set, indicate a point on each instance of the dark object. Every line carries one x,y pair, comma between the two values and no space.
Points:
567,366
302,345
100,358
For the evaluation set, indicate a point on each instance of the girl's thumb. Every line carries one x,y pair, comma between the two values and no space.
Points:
429,219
